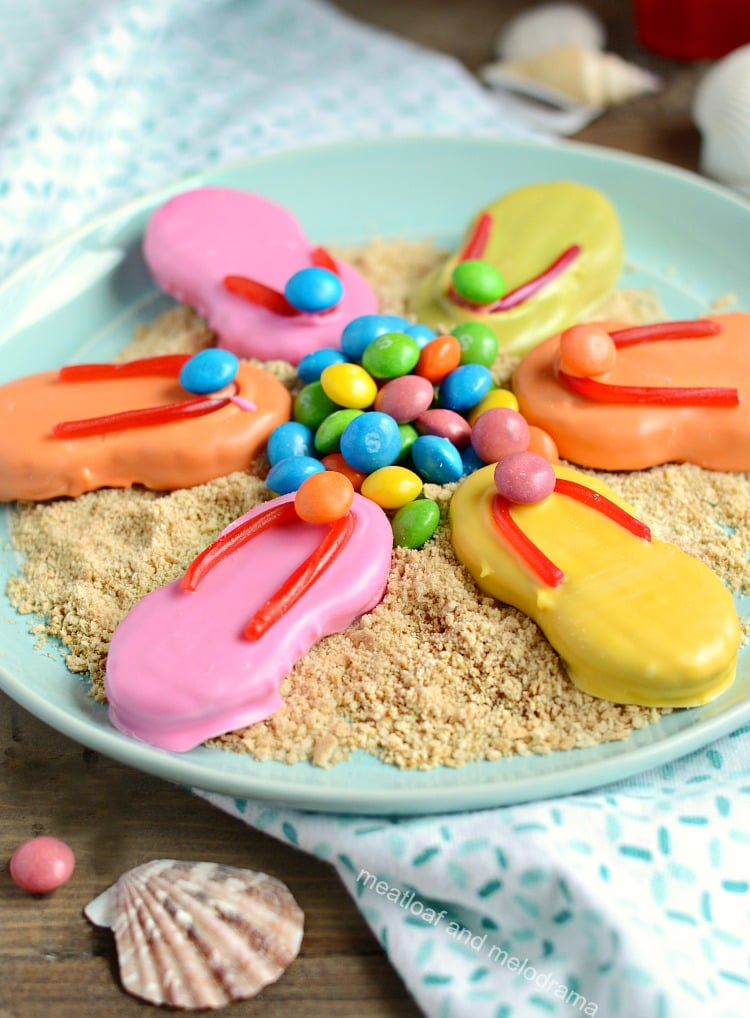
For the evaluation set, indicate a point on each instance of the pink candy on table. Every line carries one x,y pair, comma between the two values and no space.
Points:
41,865
499,431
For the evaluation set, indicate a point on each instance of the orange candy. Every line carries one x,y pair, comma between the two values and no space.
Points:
587,351
324,497
335,461
542,443
438,358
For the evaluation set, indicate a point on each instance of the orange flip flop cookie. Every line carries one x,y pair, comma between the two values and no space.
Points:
531,264
114,425
634,619
616,397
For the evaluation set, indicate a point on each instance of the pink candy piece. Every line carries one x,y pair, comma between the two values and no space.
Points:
404,398
524,477
445,424
498,432
41,865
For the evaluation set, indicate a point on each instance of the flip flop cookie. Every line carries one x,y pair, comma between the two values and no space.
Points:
616,397
92,426
531,264
634,619
244,264
207,654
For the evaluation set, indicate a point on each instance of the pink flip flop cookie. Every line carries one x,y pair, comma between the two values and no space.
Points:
207,654
244,264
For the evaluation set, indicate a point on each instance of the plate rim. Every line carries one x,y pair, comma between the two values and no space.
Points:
373,801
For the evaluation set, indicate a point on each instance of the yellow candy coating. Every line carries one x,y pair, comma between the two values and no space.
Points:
349,385
494,398
392,487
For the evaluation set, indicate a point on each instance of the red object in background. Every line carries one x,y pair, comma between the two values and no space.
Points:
692,29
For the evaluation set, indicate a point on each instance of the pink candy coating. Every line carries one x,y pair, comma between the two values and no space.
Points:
41,865
405,397
445,424
498,432
524,477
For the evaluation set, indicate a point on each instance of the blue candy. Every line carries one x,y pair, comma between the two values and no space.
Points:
209,371
361,331
313,289
470,460
312,365
290,439
288,474
371,441
421,333
464,387
436,460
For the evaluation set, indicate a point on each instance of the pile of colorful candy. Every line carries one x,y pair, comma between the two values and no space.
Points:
397,407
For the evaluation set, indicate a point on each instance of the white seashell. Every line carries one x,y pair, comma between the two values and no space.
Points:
197,935
591,78
721,112
549,25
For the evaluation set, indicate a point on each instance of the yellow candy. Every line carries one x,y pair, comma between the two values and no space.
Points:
494,398
392,487
349,385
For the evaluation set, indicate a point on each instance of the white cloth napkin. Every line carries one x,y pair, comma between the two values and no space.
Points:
627,902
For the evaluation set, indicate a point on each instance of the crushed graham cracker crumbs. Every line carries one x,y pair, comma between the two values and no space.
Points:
438,673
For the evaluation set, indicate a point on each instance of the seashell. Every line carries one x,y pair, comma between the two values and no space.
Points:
198,935
721,112
591,78
547,26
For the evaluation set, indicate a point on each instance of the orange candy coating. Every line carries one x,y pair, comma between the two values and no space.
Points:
587,351
438,358
335,461
324,497
543,443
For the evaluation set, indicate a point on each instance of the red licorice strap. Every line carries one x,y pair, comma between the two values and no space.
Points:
550,574
323,260
303,577
143,418
526,290
168,365
229,542
595,500
260,294
477,242
524,547
604,392
699,328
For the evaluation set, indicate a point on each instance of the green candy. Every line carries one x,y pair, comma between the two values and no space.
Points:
478,282
312,406
415,523
409,435
479,344
328,436
391,355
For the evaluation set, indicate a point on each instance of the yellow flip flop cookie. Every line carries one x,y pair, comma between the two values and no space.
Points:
553,249
634,619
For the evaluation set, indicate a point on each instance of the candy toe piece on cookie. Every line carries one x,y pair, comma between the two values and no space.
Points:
529,265
207,655
674,392
634,619
92,426
244,264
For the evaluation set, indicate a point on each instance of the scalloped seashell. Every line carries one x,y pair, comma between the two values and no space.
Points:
547,26
592,78
721,112
198,935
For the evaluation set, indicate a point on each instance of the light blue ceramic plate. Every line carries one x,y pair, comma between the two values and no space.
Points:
81,299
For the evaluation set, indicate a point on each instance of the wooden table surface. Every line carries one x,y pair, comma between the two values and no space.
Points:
52,962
